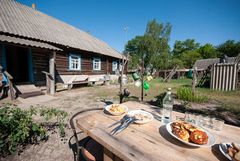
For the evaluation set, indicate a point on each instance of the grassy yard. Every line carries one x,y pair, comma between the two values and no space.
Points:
225,102
230,99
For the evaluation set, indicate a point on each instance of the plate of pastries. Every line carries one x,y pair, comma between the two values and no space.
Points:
230,151
116,109
190,134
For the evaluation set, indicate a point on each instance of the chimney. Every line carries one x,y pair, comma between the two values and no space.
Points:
34,6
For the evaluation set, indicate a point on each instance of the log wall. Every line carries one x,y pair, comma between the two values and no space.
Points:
40,63
40,60
62,64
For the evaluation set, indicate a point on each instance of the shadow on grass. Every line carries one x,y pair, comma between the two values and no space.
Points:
131,98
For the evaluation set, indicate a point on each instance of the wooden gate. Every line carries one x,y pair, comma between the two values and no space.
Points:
224,76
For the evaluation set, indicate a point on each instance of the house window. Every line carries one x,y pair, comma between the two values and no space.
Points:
96,64
74,62
114,66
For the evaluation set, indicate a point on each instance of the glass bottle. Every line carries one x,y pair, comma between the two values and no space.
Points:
167,107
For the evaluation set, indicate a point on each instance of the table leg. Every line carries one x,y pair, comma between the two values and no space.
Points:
109,156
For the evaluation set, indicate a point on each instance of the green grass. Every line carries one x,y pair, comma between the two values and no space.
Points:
227,101
185,94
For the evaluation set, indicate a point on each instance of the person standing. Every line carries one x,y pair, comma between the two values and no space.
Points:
4,84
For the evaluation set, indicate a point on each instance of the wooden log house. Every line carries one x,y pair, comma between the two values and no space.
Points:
33,45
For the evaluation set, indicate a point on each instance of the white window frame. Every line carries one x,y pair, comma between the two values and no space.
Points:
94,63
114,66
76,60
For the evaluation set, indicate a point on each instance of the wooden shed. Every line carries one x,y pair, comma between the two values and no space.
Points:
224,76
220,76
32,42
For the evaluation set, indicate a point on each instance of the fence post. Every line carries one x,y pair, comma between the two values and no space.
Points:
194,81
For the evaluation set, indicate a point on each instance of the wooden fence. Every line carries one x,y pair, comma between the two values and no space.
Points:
224,76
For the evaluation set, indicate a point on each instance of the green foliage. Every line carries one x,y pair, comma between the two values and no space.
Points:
185,94
181,47
230,48
189,58
176,62
17,126
51,113
153,44
208,51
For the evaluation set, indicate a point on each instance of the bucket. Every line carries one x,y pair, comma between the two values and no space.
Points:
135,76
138,83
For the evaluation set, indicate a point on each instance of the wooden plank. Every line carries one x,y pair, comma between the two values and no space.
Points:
107,155
149,141
230,78
212,77
227,79
224,78
220,77
234,75
217,77
52,72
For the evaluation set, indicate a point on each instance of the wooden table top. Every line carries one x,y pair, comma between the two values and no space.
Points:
150,141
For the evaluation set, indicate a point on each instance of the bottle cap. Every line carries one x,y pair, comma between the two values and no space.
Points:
169,89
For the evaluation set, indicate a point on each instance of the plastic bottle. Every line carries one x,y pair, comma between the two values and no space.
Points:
167,107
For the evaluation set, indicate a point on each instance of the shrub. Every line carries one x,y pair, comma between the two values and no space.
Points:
18,128
185,94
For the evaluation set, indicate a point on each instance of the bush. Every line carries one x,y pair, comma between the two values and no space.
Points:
18,128
185,94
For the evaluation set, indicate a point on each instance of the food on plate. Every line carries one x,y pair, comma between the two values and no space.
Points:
142,117
116,108
189,133
182,133
199,137
234,152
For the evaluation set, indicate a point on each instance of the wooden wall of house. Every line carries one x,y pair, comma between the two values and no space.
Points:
40,63
62,64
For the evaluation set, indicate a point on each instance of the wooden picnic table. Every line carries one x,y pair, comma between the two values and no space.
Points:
150,141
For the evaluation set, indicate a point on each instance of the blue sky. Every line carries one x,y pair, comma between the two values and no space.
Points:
206,21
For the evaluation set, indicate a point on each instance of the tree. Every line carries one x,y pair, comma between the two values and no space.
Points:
153,44
208,51
181,47
133,47
189,58
230,48
185,53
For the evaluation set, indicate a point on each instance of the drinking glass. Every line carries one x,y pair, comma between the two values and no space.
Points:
218,124
179,118
200,120
208,121
187,117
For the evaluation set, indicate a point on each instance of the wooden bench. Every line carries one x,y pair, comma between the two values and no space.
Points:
70,85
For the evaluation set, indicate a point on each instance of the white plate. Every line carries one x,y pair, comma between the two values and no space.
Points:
107,108
211,139
223,149
134,112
